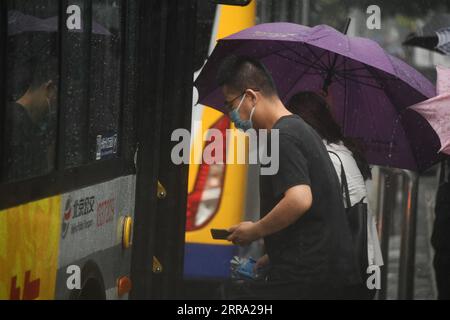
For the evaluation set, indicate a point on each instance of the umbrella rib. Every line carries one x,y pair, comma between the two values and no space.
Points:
346,103
302,57
398,120
342,63
359,82
370,110
364,76
317,58
351,72
377,78
277,52
273,52
340,80
302,74
364,68
313,53
355,69
299,62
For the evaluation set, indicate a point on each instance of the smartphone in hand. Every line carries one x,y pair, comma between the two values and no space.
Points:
220,234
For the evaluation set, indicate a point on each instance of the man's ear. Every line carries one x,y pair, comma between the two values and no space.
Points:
253,95
48,85
49,88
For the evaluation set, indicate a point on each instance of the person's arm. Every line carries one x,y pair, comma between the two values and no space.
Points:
261,263
291,184
296,202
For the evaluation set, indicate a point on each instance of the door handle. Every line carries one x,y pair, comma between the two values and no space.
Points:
157,266
161,191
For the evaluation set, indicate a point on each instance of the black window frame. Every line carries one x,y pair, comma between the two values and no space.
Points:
3,40
61,179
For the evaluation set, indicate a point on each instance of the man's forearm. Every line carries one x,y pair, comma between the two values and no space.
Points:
285,213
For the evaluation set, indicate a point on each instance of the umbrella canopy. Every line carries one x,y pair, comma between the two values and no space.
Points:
437,110
19,22
443,80
40,35
370,89
434,36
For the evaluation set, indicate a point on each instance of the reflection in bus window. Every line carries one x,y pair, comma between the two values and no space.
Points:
105,84
74,89
32,91
91,88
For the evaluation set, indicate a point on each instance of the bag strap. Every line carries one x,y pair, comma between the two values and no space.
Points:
344,183
445,175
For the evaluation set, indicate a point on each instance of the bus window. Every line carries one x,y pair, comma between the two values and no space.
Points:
205,20
92,87
105,85
32,90
74,87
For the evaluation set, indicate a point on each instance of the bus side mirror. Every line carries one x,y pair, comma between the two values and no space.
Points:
241,3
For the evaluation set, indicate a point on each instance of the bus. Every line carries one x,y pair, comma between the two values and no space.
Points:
217,193
91,205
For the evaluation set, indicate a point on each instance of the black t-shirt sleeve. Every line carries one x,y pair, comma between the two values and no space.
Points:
293,166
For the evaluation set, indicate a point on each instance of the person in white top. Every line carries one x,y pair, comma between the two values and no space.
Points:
314,110
357,189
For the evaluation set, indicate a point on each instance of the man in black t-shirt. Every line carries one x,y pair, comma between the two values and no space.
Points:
30,126
26,147
303,220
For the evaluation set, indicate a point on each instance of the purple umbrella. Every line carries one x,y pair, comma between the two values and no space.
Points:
370,89
19,22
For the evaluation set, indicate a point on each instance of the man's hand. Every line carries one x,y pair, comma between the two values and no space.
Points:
244,233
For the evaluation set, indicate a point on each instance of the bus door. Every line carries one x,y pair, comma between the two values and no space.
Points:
166,48
67,150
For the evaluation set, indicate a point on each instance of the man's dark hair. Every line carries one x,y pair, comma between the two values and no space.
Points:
31,74
32,61
44,70
240,73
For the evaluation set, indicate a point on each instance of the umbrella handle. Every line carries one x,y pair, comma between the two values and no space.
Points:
327,82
